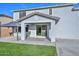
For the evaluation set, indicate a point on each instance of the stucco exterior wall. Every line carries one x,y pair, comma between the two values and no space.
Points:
16,14
52,32
37,19
45,11
77,23
67,25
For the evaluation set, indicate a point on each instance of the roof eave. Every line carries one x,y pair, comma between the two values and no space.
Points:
75,9
38,8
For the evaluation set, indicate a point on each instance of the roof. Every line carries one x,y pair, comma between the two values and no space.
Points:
39,14
75,9
14,24
3,15
54,6
10,24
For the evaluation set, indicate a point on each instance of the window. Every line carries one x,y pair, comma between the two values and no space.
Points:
50,11
19,29
27,27
22,14
41,30
44,27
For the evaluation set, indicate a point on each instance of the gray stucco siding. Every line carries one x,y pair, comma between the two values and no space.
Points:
16,14
45,11
37,19
66,27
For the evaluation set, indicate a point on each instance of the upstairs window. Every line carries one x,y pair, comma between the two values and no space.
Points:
50,11
22,14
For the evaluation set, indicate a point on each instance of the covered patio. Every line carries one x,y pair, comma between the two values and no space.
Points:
17,34
28,40
39,25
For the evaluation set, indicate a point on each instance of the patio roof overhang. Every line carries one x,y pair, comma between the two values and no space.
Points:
10,24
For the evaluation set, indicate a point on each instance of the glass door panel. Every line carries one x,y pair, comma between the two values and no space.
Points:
38,30
41,30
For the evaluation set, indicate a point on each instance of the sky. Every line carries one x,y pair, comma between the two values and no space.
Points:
7,8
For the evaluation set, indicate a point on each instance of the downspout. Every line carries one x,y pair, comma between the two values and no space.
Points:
17,32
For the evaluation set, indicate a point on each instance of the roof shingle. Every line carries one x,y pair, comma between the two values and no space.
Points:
40,14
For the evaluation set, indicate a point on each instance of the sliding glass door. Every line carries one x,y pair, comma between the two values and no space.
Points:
41,30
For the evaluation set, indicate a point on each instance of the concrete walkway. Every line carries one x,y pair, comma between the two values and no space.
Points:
28,41
67,47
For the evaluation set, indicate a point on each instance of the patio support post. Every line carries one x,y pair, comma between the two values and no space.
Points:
0,29
17,32
12,31
52,32
23,35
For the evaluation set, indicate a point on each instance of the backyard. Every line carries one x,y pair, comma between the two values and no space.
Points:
14,49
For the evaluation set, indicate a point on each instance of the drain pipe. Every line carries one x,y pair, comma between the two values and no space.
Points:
17,32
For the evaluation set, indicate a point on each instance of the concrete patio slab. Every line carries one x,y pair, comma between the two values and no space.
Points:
28,41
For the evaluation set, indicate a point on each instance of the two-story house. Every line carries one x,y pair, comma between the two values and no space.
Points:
51,22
